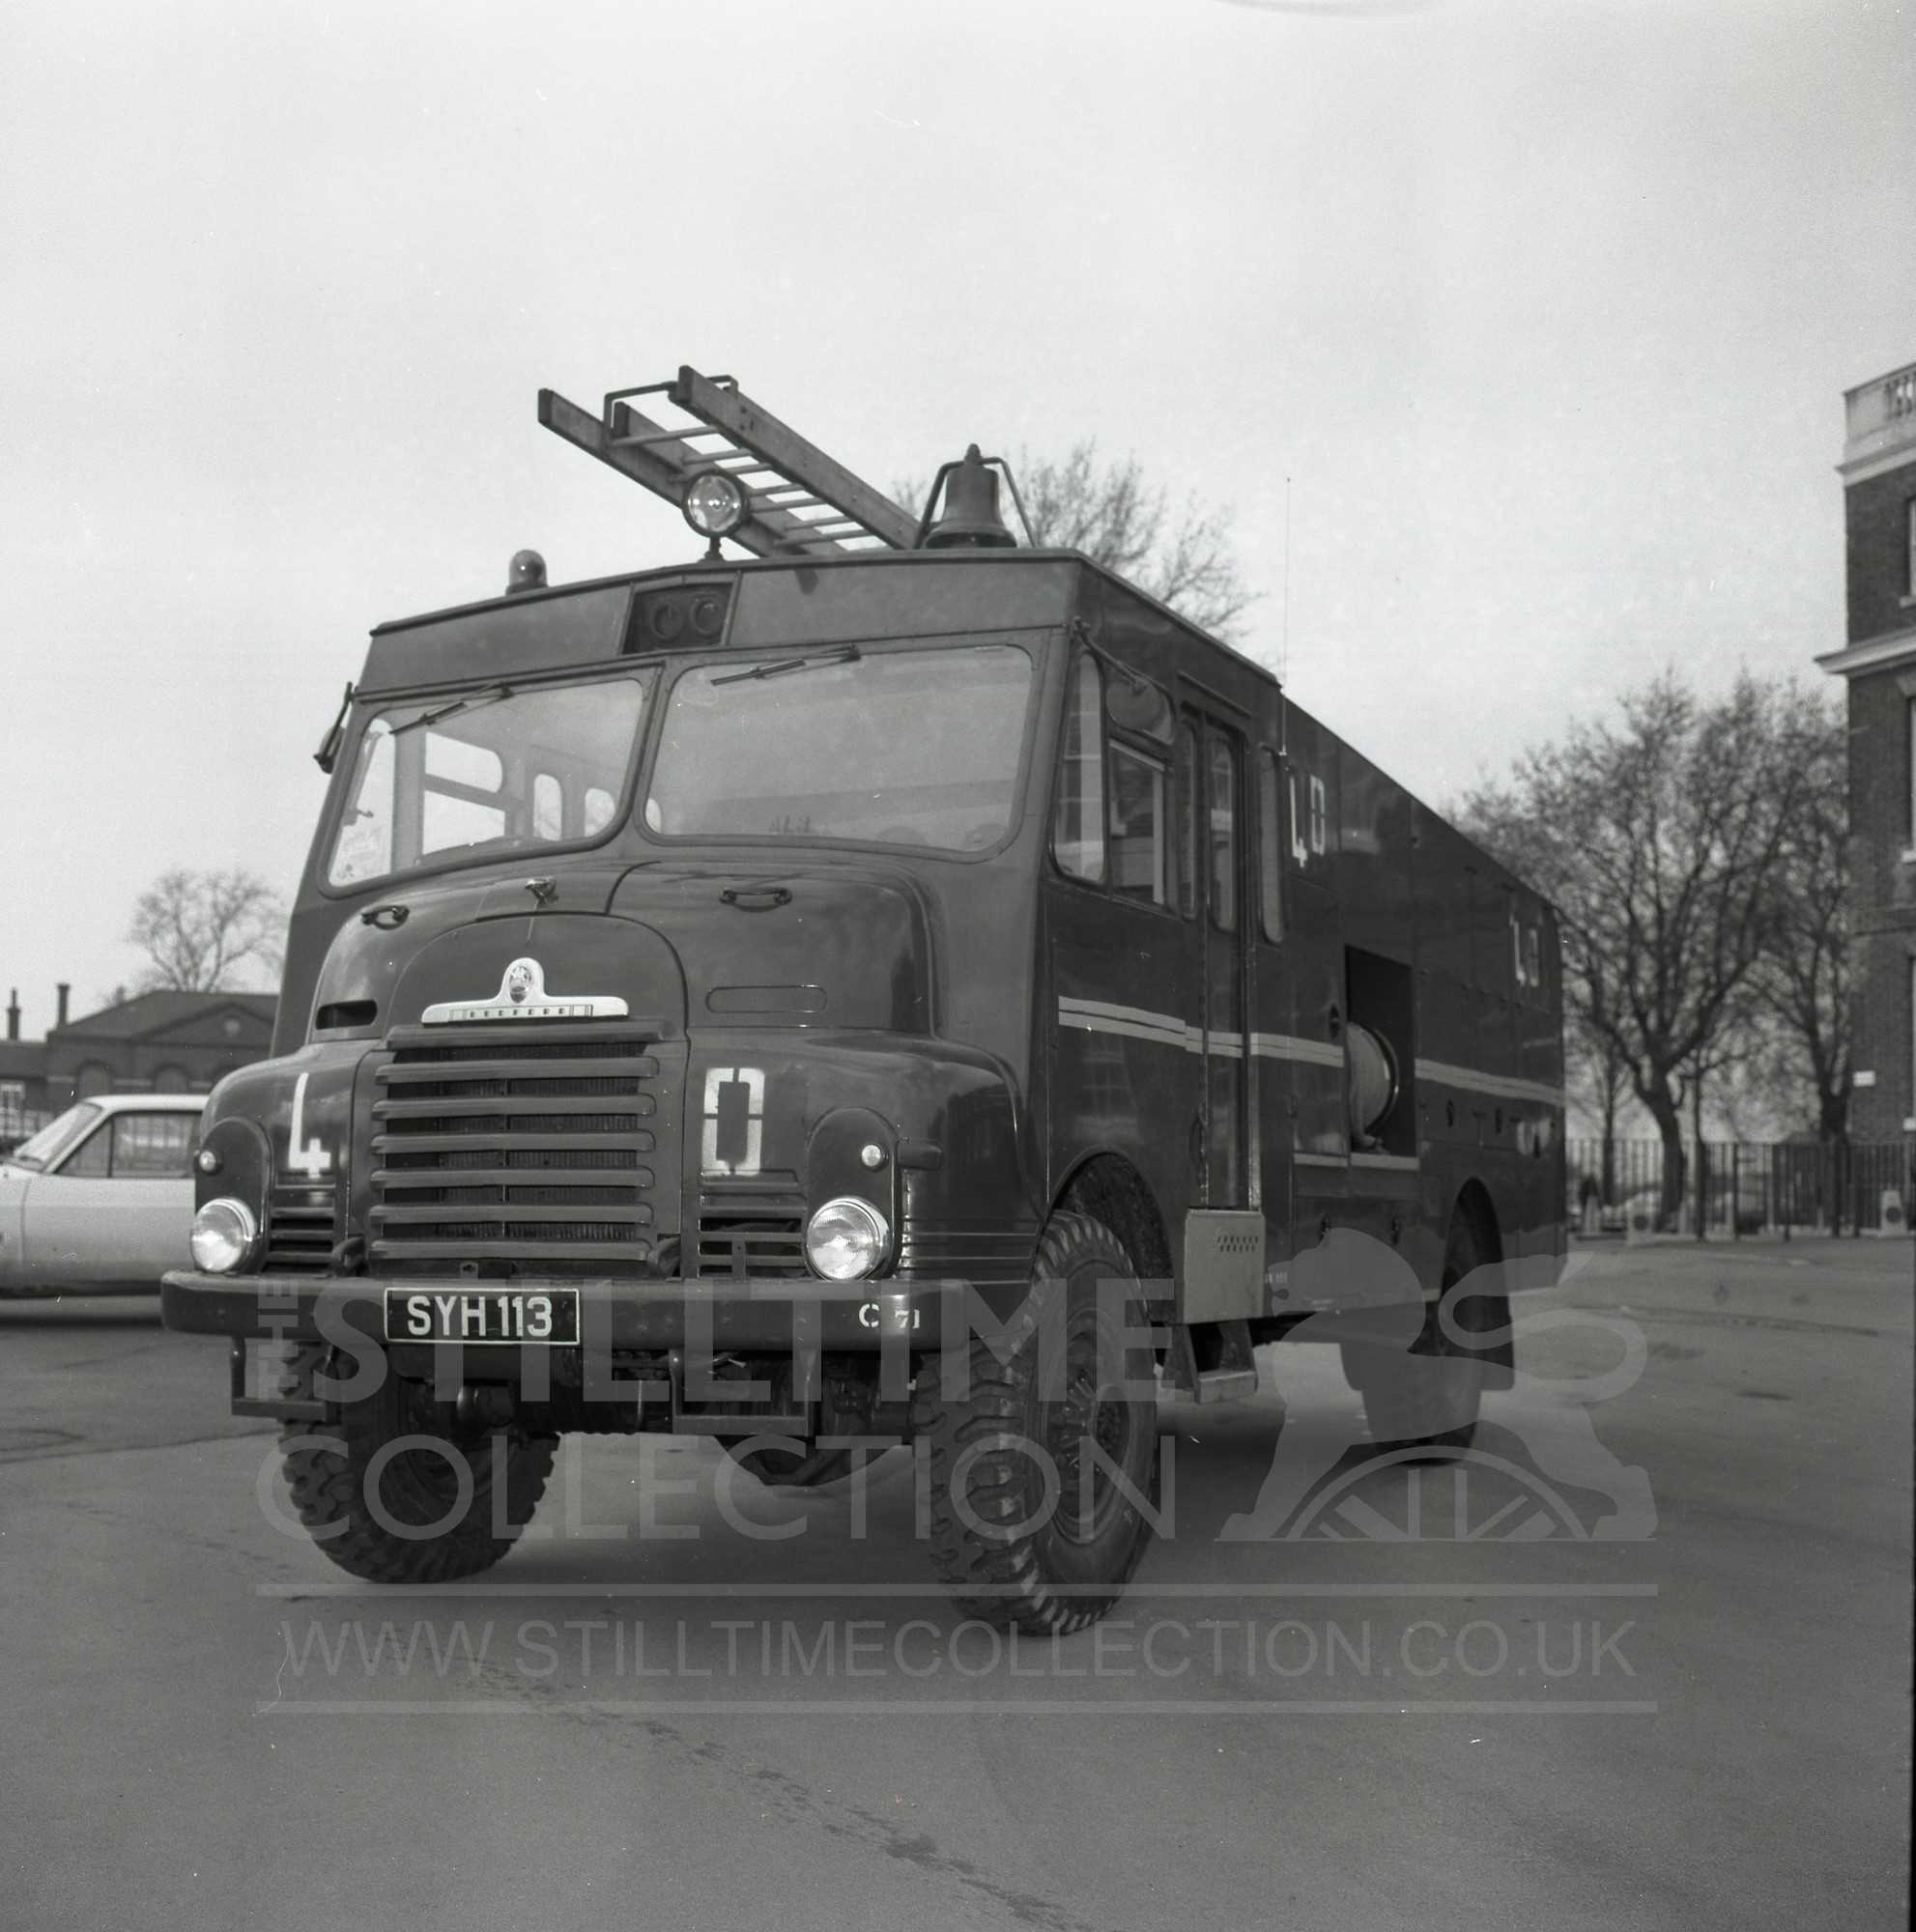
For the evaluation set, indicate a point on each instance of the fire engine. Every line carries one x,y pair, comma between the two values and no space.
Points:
897,985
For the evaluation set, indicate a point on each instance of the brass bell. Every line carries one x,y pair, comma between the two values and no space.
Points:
970,519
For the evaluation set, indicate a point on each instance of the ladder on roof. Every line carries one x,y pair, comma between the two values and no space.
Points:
798,500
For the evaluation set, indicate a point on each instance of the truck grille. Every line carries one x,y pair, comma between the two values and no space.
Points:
301,1227
533,1153
751,1230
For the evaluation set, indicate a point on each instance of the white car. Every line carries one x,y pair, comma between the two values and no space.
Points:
102,1199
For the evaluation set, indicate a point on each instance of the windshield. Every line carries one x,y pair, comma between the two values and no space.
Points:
53,1140
895,746
493,771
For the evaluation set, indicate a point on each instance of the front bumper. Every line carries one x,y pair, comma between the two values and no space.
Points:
714,1315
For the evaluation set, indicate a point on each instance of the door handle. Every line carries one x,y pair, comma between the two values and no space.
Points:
1336,1021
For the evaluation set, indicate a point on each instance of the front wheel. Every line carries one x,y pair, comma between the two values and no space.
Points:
1044,1466
388,1495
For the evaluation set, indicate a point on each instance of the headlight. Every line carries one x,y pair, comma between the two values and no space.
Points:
846,1238
225,1232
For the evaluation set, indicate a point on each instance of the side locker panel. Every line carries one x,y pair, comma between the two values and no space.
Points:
1375,866
1494,943
1446,1011
1538,1064
1270,999
1314,1069
1225,1046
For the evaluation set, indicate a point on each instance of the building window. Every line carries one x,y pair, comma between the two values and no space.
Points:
1909,547
1910,790
548,808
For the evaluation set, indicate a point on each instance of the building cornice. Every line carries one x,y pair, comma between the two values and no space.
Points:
1867,467
1872,654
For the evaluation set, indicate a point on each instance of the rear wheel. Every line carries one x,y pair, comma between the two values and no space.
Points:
1045,1467
389,1496
1414,1399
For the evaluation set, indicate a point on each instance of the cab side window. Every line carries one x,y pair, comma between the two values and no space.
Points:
1077,828
1137,826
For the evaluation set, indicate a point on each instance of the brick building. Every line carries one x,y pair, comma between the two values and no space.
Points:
164,1042
1878,659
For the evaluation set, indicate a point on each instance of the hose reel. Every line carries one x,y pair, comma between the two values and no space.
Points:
1371,1081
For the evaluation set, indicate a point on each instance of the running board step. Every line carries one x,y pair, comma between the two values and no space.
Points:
1212,1361
1225,1384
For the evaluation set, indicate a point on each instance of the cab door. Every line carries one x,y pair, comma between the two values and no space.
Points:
1211,781
1123,1074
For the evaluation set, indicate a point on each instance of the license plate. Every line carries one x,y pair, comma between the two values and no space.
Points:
532,1317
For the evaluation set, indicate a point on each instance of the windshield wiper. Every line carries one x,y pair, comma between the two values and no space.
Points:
492,695
847,654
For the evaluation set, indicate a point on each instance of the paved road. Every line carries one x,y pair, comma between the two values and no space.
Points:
1644,1664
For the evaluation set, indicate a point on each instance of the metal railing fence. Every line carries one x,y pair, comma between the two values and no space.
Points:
1742,1187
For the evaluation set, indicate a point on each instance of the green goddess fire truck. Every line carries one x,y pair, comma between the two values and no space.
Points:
895,985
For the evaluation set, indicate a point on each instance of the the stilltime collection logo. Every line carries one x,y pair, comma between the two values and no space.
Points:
1197,1629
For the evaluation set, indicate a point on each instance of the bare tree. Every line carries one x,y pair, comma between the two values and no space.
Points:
1607,1077
1802,984
1110,513
1659,837
198,929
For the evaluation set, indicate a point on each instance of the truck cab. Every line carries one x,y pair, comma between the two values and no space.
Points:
782,1000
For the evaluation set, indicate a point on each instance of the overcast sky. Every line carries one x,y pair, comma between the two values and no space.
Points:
1545,309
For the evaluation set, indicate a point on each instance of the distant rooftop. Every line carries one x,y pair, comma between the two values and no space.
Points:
22,1058
153,1012
1879,424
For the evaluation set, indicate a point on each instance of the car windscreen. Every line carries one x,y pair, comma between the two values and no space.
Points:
53,1140
896,747
489,771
